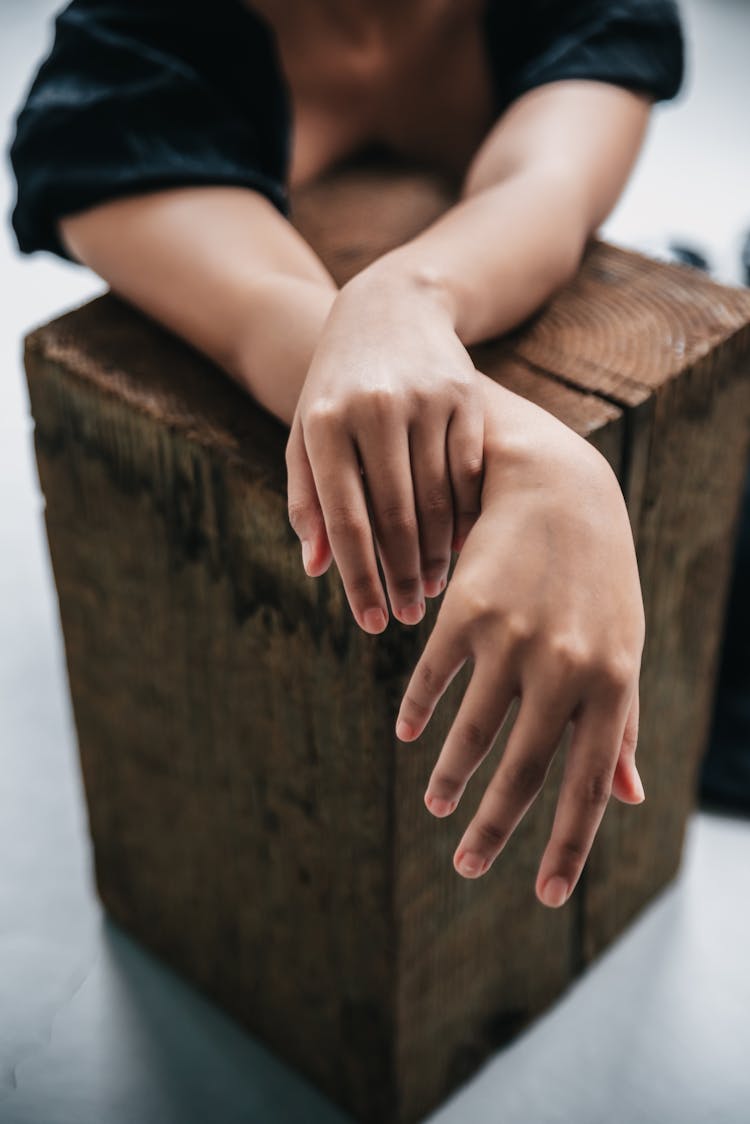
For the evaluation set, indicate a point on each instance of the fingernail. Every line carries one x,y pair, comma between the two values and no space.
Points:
404,731
459,542
306,554
471,865
432,587
412,614
374,620
555,892
640,791
438,806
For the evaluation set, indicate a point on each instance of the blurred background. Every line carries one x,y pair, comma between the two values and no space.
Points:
92,1029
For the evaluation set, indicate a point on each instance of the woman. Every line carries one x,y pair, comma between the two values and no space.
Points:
157,146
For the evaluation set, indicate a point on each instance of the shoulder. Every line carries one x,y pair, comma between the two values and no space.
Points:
634,43
135,95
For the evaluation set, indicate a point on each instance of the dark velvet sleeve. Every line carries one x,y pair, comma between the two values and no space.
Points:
136,96
637,44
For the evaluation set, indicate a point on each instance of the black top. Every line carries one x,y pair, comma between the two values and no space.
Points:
143,94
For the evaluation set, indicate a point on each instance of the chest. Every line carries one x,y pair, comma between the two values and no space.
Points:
421,89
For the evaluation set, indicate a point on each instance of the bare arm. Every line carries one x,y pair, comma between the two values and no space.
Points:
391,381
546,177
381,378
222,268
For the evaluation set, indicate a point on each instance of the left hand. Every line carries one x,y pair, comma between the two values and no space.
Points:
545,601
386,445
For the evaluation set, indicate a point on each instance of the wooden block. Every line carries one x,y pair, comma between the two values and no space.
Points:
254,819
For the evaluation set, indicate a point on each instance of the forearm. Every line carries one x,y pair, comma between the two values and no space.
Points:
546,176
497,256
223,270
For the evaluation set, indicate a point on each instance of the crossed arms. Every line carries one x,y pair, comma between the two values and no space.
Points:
399,449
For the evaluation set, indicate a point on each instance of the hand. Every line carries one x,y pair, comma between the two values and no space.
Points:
386,438
545,600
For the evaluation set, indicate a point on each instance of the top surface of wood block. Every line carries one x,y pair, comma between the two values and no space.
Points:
622,329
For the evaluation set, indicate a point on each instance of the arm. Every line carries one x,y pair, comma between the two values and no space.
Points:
545,178
222,268
391,383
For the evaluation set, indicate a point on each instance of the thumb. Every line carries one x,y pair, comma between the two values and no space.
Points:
626,784
305,513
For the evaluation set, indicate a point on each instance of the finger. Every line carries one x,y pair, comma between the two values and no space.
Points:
584,795
434,501
465,444
442,657
627,785
336,472
305,514
471,736
517,780
387,469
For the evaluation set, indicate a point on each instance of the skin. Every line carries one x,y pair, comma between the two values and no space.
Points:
399,449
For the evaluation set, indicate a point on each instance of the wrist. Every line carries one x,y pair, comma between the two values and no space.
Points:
399,277
519,433
284,322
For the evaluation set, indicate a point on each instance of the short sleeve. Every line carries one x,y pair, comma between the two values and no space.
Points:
136,96
637,44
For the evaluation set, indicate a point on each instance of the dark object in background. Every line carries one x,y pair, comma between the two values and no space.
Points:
689,255
724,781
725,774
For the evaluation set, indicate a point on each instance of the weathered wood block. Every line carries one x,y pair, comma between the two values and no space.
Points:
254,819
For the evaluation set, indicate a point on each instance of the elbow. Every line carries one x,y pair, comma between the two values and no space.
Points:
570,218
567,260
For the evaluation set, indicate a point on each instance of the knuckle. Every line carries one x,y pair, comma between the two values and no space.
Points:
472,736
406,587
434,567
462,382
630,740
446,783
412,706
471,468
380,402
298,514
519,629
343,521
321,416
362,587
573,852
570,653
398,520
476,606
569,659
490,833
437,505
524,777
617,672
427,675
595,789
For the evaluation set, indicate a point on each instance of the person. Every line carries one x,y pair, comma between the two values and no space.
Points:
158,144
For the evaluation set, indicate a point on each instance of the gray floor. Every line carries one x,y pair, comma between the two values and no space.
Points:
93,1031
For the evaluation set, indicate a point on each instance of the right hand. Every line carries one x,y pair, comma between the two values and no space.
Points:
545,601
